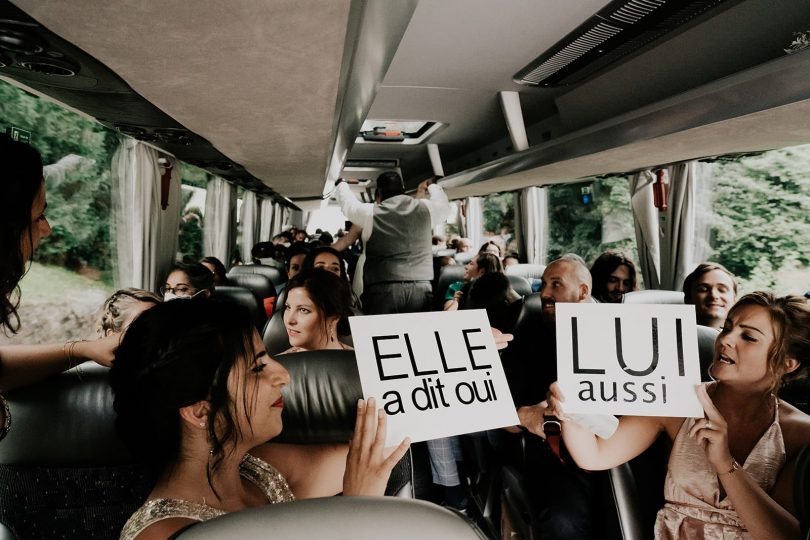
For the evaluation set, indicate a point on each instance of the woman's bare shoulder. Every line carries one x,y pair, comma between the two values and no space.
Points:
795,427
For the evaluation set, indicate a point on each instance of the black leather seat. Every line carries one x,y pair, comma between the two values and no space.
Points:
245,298
528,271
63,471
275,336
520,284
261,287
357,518
321,402
277,275
447,276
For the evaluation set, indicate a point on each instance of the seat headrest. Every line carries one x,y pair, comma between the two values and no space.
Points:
358,518
244,297
260,284
520,284
275,272
706,337
64,421
275,336
320,402
534,271
653,296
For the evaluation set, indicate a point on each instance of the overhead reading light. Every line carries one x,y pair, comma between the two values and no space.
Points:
396,131
622,27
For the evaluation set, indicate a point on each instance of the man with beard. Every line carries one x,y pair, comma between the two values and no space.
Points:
565,510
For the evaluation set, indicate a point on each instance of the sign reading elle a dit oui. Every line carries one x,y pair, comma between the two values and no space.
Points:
628,359
435,374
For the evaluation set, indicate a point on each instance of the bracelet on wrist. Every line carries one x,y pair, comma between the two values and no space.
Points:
6,426
735,466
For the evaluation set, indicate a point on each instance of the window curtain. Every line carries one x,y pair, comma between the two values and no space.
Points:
145,236
266,220
645,219
250,223
679,231
667,240
167,243
219,229
475,221
532,215
278,218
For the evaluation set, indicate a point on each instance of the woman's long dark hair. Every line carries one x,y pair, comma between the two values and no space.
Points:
174,355
21,180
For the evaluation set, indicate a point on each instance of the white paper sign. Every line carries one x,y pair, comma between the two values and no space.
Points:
435,374
628,359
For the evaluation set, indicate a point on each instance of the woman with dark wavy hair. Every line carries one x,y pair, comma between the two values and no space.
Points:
22,225
316,311
197,396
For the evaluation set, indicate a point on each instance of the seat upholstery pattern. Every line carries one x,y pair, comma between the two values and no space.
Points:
358,518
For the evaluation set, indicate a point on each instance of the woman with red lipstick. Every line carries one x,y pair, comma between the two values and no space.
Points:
196,394
730,473
316,311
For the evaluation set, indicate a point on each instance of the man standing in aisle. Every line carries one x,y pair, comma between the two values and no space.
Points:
397,233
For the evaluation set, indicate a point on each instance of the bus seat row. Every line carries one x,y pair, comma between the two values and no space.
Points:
452,273
64,473
526,270
358,518
245,298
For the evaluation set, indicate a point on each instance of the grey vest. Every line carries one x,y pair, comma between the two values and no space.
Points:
399,248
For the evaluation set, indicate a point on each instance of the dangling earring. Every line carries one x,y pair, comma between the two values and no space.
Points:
332,334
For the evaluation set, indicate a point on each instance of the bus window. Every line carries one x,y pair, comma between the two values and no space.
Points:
760,229
72,272
589,217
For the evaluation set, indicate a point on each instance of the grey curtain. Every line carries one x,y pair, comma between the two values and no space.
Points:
532,209
145,235
249,218
474,222
266,220
219,229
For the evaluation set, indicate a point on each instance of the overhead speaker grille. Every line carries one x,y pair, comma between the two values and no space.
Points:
621,28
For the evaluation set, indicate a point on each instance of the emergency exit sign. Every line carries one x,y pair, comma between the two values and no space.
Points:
18,134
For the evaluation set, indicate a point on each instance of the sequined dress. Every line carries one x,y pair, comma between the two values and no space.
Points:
259,472
695,507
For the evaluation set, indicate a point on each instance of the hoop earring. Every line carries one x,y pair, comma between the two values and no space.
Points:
709,372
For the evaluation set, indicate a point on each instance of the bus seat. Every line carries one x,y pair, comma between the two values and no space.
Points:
275,336
244,297
801,489
520,284
530,317
528,271
63,471
447,276
464,258
705,338
358,518
320,404
439,253
653,296
275,274
261,287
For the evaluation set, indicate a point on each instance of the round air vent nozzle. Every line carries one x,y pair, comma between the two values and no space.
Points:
19,41
49,66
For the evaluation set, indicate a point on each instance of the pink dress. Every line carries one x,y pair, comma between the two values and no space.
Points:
695,507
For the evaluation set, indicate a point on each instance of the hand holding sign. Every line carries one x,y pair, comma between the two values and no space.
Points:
711,433
437,374
367,467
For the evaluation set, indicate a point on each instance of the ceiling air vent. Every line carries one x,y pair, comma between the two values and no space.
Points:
621,28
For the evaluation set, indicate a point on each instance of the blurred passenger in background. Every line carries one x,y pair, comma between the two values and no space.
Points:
613,274
712,289
123,307
217,268
188,280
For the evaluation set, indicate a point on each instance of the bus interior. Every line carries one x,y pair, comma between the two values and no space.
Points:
279,99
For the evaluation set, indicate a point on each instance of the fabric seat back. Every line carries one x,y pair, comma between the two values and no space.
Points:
528,271
653,296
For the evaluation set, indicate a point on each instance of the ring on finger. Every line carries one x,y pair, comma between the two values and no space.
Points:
708,425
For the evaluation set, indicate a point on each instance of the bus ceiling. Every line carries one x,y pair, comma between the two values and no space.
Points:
273,95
